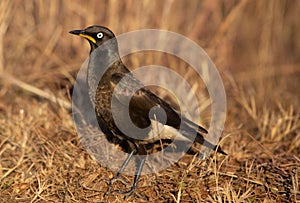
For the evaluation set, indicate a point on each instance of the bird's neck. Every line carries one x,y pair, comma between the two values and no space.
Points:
100,60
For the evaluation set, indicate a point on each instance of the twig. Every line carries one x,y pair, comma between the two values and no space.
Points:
50,96
246,179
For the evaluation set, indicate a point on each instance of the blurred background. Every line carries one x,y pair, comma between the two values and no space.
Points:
255,46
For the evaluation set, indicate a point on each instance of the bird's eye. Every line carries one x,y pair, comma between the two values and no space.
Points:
99,35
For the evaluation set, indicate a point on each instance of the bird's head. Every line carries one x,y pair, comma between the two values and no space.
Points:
96,35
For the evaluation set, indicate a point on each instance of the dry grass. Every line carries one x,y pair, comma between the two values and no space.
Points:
255,45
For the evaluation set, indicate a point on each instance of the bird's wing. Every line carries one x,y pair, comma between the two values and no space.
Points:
142,100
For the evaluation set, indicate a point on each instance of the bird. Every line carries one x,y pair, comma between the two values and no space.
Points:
106,73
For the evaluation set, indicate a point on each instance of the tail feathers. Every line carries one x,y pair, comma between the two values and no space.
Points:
194,125
219,150
189,131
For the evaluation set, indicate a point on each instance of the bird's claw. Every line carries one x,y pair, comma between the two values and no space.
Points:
113,180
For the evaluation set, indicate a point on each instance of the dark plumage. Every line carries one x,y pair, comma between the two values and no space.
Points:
102,82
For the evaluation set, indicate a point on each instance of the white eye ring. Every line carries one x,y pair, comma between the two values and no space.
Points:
99,35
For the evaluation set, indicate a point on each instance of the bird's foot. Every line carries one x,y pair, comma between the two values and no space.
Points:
113,180
128,192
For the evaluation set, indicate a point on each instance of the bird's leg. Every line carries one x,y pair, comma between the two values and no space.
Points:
125,163
140,164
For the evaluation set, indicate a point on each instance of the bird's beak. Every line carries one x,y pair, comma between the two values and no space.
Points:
83,34
77,32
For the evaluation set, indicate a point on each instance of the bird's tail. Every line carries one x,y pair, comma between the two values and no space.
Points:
190,129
